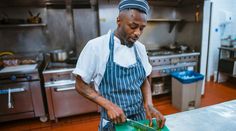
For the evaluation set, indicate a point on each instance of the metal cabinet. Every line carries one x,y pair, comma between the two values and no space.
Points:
66,101
62,98
21,100
226,64
18,101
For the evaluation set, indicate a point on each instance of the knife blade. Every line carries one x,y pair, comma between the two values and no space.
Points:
139,125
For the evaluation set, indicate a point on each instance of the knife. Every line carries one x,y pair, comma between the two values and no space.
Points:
139,125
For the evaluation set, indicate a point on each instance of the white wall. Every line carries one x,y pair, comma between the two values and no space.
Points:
218,5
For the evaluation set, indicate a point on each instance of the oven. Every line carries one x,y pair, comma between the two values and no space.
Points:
21,93
62,98
228,65
15,98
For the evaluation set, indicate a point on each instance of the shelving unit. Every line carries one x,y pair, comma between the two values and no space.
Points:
172,23
164,20
22,25
226,64
160,89
160,93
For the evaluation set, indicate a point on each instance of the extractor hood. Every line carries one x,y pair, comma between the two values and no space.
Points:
45,3
62,3
174,2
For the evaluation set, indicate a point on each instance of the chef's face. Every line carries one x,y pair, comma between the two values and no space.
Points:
130,25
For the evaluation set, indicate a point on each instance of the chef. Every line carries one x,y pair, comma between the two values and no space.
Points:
118,66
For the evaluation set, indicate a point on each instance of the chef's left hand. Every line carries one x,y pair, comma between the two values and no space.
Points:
151,112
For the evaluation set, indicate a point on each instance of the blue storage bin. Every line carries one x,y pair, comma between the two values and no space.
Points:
186,77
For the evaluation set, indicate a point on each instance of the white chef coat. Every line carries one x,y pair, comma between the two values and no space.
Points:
91,64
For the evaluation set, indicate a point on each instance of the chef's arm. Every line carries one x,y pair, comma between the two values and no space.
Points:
115,113
147,94
87,91
151,112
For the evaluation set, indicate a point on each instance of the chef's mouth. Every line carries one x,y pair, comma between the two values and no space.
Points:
132,40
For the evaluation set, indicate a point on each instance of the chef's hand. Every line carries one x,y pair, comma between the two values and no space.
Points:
151,112
116,114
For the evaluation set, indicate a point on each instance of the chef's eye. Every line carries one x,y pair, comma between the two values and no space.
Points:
141,28
133,26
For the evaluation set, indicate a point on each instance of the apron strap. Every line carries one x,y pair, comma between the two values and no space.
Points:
111,45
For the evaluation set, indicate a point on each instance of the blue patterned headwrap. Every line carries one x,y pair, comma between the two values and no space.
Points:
141,5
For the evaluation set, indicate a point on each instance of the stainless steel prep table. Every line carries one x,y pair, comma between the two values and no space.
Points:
219,117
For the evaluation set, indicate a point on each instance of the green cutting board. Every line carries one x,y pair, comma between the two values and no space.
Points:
126,127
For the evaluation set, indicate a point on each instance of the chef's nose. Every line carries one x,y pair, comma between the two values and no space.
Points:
137,32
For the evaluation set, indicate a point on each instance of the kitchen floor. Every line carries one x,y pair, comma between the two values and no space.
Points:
214,93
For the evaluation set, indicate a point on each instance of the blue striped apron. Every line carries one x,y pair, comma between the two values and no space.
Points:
122,86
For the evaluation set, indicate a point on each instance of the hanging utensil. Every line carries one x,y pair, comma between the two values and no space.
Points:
38,14
10,105
197,13
34,19
31,14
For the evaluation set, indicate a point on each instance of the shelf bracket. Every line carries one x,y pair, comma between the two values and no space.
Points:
181,25
172,25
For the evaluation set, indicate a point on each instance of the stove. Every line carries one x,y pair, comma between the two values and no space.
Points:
59,65
54,72
160,53
21,93
19,73
164,62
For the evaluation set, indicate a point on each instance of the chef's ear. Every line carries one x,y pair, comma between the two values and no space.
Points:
118,21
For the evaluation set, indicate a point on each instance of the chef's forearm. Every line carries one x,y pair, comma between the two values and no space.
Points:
87,91
147,94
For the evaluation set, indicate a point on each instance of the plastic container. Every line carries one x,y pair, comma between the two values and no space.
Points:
187,76
186,90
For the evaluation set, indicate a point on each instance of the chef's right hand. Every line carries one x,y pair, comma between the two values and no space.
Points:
116,114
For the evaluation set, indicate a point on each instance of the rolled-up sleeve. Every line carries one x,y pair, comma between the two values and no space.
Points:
145,61
86,63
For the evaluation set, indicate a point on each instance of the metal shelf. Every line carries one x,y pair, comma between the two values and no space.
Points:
176,55
183,64
228,74
163,20
172,23
232,51
160,93
22,25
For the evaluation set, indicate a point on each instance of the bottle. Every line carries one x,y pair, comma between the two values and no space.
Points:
197,13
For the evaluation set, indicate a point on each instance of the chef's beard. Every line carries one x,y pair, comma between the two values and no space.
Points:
129,45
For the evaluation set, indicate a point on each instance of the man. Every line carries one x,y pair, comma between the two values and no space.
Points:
119,66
